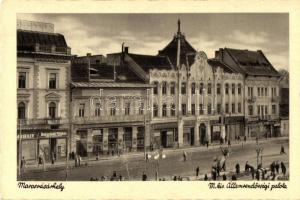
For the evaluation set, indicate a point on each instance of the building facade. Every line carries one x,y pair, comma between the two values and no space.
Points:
43,77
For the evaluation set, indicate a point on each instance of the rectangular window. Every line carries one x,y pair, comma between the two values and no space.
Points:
218,88
226,88
258,91
164,110
239,89
266,110
262,92
81,110
141,109
22,80
273,109
113,111
52,80
193,109
155,110
172,88
97,110
173,109
183,88
250,110
201,87
164,88
266,91
209,88
219,108
233,108
193,88
233,88
226,108
258,110
155,89
127,109
209,109
239,108
201,109
183,109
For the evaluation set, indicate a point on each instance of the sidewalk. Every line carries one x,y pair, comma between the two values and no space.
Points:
61,165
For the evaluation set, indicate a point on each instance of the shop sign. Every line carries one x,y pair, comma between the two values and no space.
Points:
53,134
252,119
233,120
277,124
26,136
165,125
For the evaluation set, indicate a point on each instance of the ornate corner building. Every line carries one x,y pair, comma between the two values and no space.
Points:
134,102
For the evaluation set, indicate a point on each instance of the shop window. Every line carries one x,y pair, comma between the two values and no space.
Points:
164,87
22,80
173,110
250,110
52,110
21,110
218,88
183,88
155,89
239,108
183,109
226,88
209,88
127,108
201,88
239,88
233,88
155,110
164,110
193,88
233,108
52,81
81,110
172,88
193,109
226,108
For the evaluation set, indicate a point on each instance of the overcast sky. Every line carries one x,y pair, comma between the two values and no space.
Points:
148,33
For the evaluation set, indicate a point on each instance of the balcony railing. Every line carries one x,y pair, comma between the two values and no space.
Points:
109,119
52,49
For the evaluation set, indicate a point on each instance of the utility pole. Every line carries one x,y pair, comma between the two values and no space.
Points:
20,146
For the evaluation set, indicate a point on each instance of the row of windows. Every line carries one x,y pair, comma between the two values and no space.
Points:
52,110
52,80
193,109
201,88
262,91
262,110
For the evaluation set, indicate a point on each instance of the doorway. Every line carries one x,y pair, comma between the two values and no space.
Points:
53,148
163,138
192,142
202,133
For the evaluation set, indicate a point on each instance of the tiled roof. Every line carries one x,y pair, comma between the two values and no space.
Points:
252,62
218,63
26,40
148,62
171,50
109,85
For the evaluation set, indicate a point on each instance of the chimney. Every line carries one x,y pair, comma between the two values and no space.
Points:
126,50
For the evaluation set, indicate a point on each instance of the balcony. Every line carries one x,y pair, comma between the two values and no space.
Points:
43,121
251,99
109,119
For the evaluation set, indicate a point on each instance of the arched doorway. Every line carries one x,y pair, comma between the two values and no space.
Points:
202,133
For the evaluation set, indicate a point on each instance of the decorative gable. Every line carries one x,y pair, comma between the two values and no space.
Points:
53,96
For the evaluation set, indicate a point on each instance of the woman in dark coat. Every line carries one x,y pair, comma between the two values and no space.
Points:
283,168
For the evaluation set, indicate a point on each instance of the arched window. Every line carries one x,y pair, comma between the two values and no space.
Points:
155,110
193,88
239,88
164,87
209,88
183,88
226,88
218,88
52,110
172,88
201,87
21,110
173,110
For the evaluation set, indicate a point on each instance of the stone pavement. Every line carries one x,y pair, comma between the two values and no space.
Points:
61,165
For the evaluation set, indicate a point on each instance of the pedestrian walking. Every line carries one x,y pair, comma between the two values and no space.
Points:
205,177
256,140
40,161
207,143
224,177
272,167
283,168
23,162
277,166
197,171
52,158
184,156
252,172
79,160
144,177
214,174
229,143
245,138
147,157
237,168
257,176
233,178
282,150
247,166
175,178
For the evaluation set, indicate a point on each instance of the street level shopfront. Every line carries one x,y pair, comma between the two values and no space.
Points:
47,143
234,127
164,135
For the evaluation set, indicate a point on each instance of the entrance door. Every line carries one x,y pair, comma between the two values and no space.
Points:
192,137
202,133
53,148
163,137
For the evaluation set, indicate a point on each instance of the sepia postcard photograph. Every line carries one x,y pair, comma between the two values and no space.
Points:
161,100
